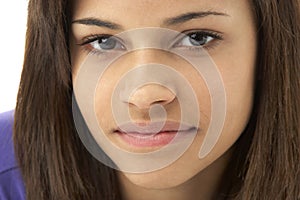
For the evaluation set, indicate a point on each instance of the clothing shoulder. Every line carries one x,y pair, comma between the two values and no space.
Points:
11,184
7,158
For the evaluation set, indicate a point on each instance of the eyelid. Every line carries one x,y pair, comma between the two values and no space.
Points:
92,38
211,32
215,34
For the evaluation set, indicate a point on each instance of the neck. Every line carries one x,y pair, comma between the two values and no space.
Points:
203,186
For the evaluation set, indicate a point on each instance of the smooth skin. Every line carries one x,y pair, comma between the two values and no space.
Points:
234,54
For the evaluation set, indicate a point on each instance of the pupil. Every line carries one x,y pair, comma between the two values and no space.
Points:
107,43
198,39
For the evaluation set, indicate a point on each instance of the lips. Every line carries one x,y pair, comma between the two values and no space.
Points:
154,134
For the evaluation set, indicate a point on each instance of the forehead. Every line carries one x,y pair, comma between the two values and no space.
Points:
140,11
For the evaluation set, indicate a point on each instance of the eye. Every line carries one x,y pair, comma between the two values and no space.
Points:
104,43
198,39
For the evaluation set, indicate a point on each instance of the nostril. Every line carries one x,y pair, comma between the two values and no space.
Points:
163,101
159,102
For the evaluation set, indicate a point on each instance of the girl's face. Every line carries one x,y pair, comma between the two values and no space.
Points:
225,29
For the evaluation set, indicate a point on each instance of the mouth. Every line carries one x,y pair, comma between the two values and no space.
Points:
153,134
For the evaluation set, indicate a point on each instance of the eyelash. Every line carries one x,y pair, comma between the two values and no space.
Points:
216,37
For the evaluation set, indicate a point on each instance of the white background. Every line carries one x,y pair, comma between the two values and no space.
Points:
13,16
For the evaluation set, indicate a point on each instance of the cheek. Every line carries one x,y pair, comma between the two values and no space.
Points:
237,71
240,96
103,93
238,77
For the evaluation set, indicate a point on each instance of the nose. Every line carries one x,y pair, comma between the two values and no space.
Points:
151,94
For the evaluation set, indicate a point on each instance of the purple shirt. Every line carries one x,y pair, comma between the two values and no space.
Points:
11,184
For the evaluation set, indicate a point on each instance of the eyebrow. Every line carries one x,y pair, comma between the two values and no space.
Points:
170,21
98,22
191,15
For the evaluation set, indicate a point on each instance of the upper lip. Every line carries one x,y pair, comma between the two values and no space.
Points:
154,127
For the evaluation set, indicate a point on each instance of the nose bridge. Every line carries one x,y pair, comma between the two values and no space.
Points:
147,64
145,56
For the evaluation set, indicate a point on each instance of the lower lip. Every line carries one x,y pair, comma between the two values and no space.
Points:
140,140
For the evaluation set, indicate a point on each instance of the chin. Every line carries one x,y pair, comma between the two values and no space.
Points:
156,180
171,176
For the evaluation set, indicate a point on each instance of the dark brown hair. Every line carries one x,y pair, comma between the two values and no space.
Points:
55,164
